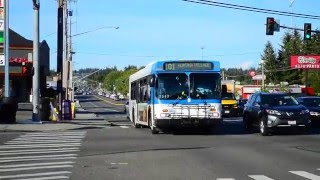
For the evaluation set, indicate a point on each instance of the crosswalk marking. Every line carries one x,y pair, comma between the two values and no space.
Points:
47,178
42,142
40,153
44,151
31,151
260,177
35,164
39,145
46,138
33,168
52,136
35,174
225,179
43,156
306,175
37,159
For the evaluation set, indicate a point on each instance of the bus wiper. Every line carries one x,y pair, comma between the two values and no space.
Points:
176,102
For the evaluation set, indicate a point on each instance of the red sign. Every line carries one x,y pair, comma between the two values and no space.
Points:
305,62
18,60
252,73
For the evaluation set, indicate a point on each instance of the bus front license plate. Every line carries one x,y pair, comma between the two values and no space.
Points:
186,121
292,122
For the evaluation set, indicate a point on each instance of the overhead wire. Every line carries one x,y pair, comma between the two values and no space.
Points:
253,9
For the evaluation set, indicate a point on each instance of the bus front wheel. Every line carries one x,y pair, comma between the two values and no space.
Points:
154,130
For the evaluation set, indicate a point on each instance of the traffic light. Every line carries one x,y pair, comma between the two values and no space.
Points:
270,26
307,31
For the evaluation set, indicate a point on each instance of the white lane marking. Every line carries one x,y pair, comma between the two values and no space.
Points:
260,177
37,167
39,152
44,156
38,146
36,159
35,164
125,127
118,163
46,178
41,142
225,179
94,104
306,175
35,174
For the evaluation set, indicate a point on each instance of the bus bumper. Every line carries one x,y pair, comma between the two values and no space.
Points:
169,123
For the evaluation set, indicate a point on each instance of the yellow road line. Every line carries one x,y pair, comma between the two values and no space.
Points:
116,104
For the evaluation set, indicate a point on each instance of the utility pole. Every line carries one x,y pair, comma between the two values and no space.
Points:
70,67
65,51
35,62
60,54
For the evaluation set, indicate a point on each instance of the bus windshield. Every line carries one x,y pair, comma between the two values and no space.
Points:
172,86
205,85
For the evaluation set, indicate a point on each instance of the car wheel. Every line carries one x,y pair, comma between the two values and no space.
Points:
246,124
264,131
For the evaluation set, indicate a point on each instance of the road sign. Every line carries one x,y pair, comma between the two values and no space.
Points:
2,62
1,37
1,25
1,13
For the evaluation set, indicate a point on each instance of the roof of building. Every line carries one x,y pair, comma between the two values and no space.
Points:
16,40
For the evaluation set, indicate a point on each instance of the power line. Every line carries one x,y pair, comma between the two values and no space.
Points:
252,9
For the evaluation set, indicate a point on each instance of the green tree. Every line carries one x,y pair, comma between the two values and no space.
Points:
111,80
269,59
122,85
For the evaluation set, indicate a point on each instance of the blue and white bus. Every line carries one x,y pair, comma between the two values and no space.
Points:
176,93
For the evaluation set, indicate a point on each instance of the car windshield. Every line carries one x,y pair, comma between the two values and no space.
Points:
172,86
278,100
205,86
311,102
227,96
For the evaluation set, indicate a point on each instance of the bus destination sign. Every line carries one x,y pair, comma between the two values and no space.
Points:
188,66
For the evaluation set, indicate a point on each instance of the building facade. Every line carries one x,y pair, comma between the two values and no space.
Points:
21,66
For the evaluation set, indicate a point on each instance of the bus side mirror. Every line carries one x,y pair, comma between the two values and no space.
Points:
151,82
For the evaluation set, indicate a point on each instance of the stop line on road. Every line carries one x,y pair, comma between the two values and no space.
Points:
302,174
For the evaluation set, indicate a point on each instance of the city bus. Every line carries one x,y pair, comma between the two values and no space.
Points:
168,94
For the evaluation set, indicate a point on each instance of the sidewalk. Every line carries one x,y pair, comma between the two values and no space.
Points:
25,123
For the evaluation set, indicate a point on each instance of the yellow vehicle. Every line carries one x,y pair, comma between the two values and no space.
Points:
228,99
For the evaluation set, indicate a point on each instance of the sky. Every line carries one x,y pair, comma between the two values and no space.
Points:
151,30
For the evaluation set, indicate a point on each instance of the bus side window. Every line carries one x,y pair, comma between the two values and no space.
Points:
133,91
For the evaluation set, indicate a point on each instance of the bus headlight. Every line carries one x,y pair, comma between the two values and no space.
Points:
164,115
214,114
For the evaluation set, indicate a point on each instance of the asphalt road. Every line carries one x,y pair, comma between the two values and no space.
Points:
124,152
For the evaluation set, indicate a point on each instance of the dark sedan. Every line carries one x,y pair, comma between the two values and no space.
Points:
313,104
272,110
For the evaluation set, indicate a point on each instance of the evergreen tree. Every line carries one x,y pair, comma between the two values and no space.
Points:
269,59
